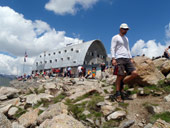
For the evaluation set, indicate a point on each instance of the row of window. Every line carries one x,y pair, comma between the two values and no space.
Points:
59,52
51,61
85,62
92,54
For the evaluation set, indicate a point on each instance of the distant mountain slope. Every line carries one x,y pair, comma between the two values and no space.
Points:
5,79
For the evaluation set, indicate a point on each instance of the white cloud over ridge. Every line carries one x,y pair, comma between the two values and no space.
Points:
18,35
151,48
63,7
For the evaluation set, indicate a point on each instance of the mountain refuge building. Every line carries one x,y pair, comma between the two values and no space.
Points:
87,54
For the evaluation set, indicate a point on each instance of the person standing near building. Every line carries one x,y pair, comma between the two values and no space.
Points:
166,53
103,67
122,61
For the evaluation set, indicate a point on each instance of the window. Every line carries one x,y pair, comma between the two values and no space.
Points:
45,62
53,53
55,60
68,58
49,54
62,59
59,52
36,63
74,61
40,62
50,61
65,50
98,55
44,54
40,56
92,54
77,51
71,49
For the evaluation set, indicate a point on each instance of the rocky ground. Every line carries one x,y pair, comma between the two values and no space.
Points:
73,103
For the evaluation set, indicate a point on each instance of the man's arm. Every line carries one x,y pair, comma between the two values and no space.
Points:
113,47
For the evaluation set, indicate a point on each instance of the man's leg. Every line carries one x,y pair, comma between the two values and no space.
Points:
118,87
130,77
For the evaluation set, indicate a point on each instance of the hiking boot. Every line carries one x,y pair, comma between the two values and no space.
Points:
116,97
125,96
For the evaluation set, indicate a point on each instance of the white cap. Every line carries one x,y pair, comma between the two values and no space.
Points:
124,26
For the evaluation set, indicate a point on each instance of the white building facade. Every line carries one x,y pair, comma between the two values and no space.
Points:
87,54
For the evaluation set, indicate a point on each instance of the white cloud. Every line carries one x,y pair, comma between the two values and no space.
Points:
14,66
18,34
150,48
63,7
167,30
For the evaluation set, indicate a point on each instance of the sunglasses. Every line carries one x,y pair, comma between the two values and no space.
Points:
125,28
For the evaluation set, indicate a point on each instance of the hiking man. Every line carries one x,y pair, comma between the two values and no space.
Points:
122,60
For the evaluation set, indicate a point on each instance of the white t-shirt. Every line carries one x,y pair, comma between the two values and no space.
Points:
79,68
120,47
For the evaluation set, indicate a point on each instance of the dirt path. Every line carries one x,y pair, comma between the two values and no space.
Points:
137,111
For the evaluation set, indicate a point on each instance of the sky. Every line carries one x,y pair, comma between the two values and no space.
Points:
36,26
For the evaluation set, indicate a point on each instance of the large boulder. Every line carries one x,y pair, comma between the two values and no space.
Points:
34,99
8,92
62,121
148,74
163,65
161,124
29,119
53,110
4,122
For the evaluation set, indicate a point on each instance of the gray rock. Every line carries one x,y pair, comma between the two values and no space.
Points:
161,124
5,108
148,125
107,109
9,92
53,110
3,97
167,98
34,99
127,124
12,111
16,125
4,122
29,118
116,115
62,121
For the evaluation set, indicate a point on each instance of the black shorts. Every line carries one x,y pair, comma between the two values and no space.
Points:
124,66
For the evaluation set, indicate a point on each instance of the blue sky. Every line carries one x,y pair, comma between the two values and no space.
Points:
97,19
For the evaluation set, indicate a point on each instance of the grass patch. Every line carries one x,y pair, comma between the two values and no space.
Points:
59,98
111,124
167,88
164,116
105,91
19,113
78,109
40,111
123,105
146,104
